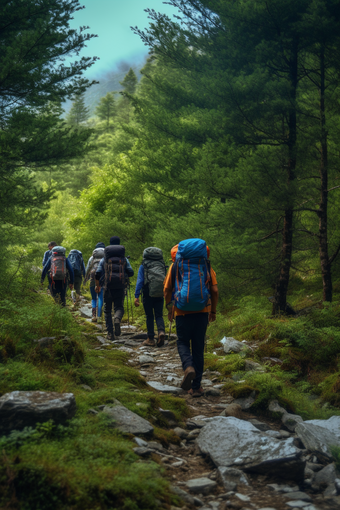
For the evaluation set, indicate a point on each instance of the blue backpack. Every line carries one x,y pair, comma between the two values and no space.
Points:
75,258
191,276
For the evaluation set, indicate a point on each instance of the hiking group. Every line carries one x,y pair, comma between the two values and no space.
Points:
189,288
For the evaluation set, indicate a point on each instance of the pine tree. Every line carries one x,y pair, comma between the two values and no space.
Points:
35,38
106,108
129,82
78,113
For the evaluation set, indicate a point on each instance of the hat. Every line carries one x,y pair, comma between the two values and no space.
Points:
100,245
114,240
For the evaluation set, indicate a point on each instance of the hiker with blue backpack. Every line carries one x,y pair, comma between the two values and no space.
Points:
112,274
46,257
191,295
150,280
75,257
91,269
61,273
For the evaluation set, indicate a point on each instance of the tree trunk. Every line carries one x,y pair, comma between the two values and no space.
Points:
322,213
280,298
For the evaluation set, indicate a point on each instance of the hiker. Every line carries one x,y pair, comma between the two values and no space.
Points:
91,268
48,253
150,280
112,273
60,272
191,295
75,257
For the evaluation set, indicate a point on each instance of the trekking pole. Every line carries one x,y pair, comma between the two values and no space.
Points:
127,305
131,303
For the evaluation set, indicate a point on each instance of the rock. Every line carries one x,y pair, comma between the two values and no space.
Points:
46,340
183,434
145,360
230,477
140,442
291,421
298,495
125,349
102,340
194,423
332,424
309,474
326,476
126,421
234,410
232,345
206,382
246,402
236,443
176,381
20,409
156,446
164,387
92,411
177,464
86,311
142,451
284,433
260,425
201,485
273,433
183,495
212,392
251,365
317,439
330,491
275,407
86,387
169,415
242,497
297,504
139,336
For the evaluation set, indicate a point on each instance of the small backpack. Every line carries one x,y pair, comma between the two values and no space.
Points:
58,264
191,276
154,271
115,263
75,258
97,254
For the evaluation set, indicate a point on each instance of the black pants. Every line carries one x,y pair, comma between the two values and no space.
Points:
113,297
153,308
192,327
58,291
77,283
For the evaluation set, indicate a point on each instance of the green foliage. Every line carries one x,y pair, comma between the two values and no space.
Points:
78,113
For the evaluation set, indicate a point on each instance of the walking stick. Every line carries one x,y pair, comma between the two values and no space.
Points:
127,304
131,302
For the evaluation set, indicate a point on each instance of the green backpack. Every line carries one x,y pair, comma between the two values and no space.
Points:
154,271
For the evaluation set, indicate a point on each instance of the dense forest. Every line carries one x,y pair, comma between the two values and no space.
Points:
229,133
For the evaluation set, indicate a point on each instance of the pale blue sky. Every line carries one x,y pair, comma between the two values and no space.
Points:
111,20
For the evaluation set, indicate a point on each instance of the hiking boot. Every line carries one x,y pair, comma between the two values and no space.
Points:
161,337
110,336
198,392
94,315
149,342
117,327
189,375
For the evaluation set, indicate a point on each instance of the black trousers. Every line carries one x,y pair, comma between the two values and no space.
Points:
191,328
58,291
113,297
153,308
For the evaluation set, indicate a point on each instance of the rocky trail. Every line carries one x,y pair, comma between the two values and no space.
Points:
228,457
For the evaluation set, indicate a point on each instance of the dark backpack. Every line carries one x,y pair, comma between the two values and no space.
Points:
191,276
154,271
115,262
58,264
97,254
75,258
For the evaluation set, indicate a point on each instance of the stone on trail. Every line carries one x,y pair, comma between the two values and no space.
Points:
201,485
231,477
212,392
140,442
232,345
259,425
143,451
236,443
298,495
318,440
246,402
183,495
144,359
164,387
126,421
86,311
183,434
102,340
326,476
297,504
234,410
139,336
20,409
291,421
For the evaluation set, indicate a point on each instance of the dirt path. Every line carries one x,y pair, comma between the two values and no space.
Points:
185,462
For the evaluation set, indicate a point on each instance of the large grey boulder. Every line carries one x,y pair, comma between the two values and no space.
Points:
236,443
317,439
332,424
126,421
232,345
20,409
